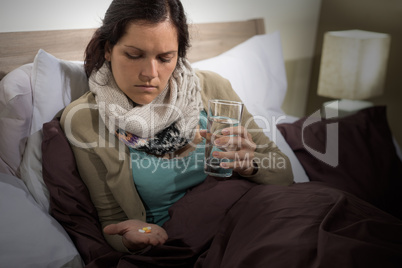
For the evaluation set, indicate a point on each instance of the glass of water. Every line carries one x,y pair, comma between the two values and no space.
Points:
221,114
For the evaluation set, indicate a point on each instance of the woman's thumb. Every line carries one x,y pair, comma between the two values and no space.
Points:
112,229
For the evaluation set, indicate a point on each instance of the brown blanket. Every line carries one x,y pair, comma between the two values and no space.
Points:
232,223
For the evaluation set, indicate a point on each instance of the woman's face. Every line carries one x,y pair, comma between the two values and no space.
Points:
143,60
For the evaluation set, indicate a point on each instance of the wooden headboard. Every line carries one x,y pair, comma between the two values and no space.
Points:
207,40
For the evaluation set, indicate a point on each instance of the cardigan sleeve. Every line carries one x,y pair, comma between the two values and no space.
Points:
107,178
274,166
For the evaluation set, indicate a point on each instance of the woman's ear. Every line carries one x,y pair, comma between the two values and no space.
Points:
108,51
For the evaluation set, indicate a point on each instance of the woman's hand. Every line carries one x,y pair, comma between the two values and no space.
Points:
135,240
237,144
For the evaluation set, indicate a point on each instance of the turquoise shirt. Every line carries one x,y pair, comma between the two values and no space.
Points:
162,182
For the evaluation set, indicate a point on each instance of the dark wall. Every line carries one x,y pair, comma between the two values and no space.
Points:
383,16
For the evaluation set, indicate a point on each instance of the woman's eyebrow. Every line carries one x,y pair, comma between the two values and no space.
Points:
169,52
163,53
129,46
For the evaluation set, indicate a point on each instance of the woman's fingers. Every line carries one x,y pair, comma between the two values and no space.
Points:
238,148
115,228
241,159
234,143
236,131
235,155
231,139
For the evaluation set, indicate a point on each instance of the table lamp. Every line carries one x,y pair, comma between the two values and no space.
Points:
353,67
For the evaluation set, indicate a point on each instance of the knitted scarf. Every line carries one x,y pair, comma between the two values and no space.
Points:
165,125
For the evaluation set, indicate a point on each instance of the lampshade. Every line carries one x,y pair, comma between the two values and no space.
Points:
353,64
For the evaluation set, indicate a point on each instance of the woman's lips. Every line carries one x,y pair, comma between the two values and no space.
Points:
146,87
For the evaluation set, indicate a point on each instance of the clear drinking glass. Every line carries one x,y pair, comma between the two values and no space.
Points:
221,114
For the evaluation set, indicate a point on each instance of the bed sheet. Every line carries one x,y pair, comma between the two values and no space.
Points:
30,237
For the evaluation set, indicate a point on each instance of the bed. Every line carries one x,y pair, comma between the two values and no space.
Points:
344,209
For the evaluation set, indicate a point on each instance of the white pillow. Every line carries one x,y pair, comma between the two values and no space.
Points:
15,117
55,83
31,170
256,70
268,124
30,237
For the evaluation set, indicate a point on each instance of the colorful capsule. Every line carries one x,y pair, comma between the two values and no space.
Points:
145,230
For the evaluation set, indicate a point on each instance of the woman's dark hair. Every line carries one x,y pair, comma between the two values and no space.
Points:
122,12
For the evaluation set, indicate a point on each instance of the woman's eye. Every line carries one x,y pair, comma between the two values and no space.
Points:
133,57
165,59
136,57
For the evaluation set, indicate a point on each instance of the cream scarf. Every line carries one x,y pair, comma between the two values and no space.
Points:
165,125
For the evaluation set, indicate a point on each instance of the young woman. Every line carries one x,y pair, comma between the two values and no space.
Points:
138,134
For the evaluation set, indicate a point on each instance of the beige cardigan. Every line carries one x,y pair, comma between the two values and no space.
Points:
104,162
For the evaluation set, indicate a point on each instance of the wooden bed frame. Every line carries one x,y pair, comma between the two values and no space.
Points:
207,40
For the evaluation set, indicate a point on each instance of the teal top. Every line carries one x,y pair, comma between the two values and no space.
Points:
162,182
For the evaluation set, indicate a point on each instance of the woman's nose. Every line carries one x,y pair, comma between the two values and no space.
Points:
149,71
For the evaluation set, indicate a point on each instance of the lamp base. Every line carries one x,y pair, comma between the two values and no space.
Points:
341,108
